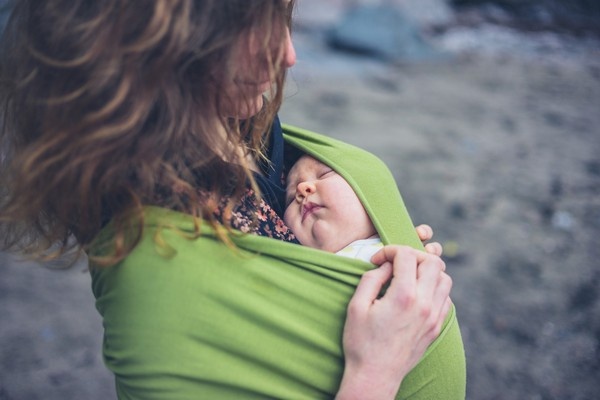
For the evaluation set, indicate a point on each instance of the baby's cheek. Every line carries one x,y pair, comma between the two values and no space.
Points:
288,218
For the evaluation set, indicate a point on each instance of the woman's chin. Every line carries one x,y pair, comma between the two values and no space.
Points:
247,109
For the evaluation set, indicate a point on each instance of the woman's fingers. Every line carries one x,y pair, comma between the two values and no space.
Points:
393,330
425,232
437,328
433,292
391,253
428,262
370,285
434,248
404,263
417,277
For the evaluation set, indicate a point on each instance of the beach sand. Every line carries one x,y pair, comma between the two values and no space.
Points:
499,151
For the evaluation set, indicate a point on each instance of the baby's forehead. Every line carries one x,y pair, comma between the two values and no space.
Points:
306,162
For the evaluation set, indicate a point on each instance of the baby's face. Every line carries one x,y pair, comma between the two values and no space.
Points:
322,209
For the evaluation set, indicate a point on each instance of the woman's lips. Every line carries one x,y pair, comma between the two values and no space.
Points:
258,86
308,209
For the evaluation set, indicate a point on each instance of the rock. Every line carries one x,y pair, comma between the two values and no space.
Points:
381,31
5,7
318,14
563,220
576,16
426,12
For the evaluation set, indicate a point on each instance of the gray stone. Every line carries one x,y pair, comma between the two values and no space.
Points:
426,12
381,31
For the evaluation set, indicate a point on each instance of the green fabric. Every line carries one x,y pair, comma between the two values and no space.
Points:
190,318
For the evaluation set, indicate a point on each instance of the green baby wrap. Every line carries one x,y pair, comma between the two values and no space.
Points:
203,321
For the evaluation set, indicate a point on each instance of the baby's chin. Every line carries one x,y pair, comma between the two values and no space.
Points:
321,235
316,244
329,247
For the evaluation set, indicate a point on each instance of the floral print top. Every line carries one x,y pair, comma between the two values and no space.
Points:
264,217
258,218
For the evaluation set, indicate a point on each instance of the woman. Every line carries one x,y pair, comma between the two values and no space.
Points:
139,129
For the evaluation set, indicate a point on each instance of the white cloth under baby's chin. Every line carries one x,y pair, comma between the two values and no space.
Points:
362,249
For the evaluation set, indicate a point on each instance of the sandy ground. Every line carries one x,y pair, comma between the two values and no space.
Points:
498,151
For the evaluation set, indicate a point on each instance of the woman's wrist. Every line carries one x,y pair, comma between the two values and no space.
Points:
365,385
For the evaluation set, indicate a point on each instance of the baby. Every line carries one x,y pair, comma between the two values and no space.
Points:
324,212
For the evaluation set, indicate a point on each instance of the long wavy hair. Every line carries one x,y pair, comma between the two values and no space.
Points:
108,106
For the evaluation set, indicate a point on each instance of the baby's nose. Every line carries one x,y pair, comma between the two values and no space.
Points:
304,189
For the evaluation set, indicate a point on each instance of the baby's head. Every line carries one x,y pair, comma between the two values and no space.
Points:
322,209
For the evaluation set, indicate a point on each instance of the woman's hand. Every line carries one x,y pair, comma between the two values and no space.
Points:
385,337
425,234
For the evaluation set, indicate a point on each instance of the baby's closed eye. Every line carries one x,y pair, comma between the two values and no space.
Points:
326,173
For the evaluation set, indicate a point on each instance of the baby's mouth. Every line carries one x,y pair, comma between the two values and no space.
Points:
308,209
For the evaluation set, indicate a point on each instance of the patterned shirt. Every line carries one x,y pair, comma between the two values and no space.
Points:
257,218
263,217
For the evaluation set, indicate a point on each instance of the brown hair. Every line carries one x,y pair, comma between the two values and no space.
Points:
111,105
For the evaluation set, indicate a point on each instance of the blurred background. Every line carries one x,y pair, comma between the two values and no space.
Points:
487,113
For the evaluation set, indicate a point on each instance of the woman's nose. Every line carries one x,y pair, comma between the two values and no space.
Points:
289,58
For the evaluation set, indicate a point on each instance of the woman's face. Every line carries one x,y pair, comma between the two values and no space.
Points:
253,76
